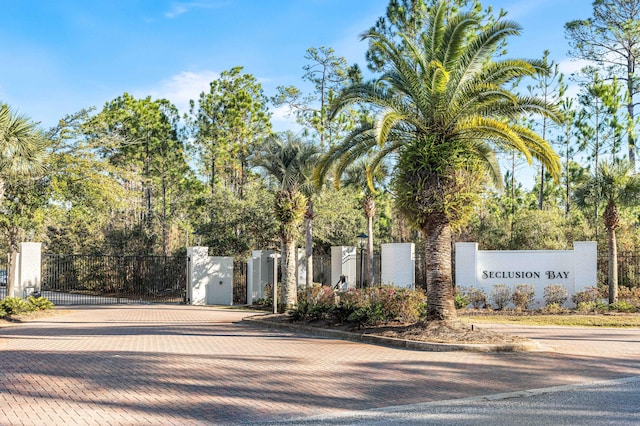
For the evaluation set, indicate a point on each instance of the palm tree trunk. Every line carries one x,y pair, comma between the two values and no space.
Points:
613,265
370,273
308,245
11,274
440,305
290,297
12,261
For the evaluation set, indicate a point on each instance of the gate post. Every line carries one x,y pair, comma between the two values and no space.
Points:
27,276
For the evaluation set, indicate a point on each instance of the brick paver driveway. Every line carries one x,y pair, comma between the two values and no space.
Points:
161,364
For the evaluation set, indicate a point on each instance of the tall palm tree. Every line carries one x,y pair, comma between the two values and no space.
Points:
21,145
290,162
442,109
615,184
22,152
356,176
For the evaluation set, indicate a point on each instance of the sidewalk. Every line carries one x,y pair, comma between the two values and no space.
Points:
162,364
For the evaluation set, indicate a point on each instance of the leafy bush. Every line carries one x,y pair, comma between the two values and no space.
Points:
366,315
555,294
460,298
16,305
40,303
360,306
300,312
343,310
500,296
262,302
553,308
476,297
622,306
589,294
586,307
523,295
398,304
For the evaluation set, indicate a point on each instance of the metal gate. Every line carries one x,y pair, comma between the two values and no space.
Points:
102,279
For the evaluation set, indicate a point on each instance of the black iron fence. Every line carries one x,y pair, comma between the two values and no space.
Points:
4,271
239,282
628,269
101,279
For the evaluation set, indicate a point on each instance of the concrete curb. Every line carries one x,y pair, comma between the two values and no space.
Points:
398,343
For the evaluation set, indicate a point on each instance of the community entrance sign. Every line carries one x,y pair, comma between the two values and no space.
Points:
574,269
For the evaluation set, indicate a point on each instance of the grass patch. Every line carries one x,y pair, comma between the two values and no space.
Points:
572,320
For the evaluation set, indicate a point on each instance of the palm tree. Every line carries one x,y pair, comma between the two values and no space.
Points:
22,151
356,176
21,146
442,109
615,184
290,162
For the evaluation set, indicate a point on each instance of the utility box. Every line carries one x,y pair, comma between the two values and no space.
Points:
398,264
343,264
209,278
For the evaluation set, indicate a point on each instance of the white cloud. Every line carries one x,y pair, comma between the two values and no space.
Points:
183,87
283,119
178,9
570,66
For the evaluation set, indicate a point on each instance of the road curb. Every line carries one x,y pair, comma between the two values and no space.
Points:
398,343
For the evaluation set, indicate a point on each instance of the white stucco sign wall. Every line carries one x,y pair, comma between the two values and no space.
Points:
574,269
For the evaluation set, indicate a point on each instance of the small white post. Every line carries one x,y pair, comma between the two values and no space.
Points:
275,257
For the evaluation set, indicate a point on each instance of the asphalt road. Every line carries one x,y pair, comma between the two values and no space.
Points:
614,402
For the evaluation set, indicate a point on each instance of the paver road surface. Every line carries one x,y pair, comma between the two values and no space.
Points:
181,365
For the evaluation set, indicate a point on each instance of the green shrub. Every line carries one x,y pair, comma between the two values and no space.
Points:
343,310
460,298
586,307
300,312
589,294
555,294
523,295
398,304
360,306
553,308
314,304
3,313
40,303
500,296
367,315
15,305
476,297
622,306
263,303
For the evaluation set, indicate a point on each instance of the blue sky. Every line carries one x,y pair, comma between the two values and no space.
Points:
58,56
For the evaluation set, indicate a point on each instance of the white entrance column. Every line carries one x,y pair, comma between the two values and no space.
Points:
343,264
398,264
